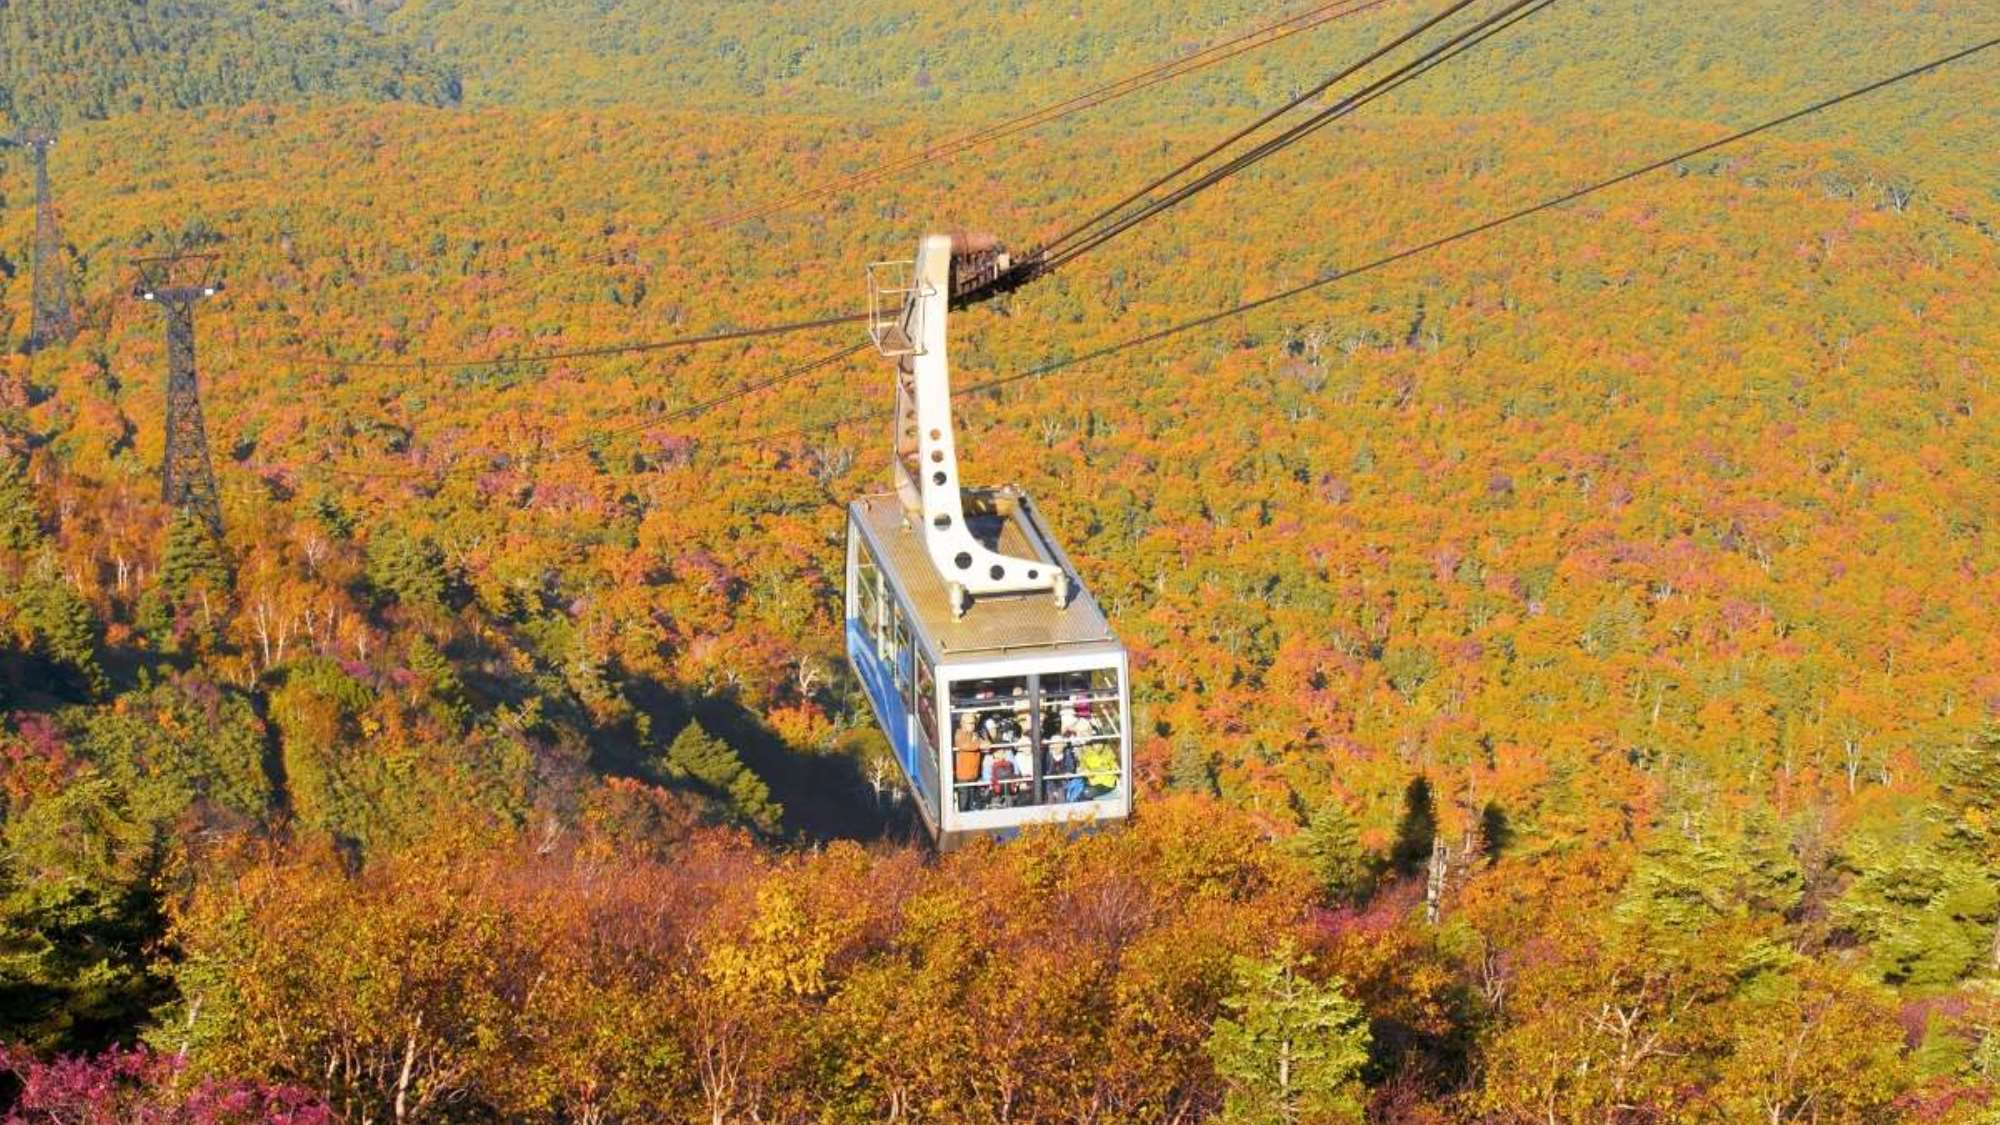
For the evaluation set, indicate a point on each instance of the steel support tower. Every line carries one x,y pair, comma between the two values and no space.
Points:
187,477
54,319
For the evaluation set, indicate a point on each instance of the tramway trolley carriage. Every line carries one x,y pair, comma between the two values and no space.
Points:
990,667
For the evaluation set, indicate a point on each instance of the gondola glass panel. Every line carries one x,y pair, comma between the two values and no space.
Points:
929,753
905,658
1049,739
992,755
869,601
1081,735
927,702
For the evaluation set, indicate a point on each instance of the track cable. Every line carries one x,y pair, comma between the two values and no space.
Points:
1253,40
953,147
991,385
1436,56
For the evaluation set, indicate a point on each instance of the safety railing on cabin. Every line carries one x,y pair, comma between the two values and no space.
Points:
1018,793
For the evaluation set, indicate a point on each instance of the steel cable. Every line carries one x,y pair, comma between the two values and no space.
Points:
1386,260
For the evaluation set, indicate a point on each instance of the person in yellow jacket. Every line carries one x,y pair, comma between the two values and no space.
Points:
1099,764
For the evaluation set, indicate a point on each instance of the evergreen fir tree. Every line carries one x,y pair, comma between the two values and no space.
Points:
81,919
1290,1049
705,759
408,568
751,801
326,508
193,563
1925,915
66,628
1689,877
1929,909
20,516
447,689
194,592
154,617
1331,842
1969,798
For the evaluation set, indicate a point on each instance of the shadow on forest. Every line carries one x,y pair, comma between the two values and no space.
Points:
825,796
1496,831
1416,831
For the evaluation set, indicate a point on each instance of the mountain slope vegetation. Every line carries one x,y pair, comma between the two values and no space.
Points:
1704,61
1564,663
83,60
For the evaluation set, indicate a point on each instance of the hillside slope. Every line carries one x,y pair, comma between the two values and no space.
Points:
1623,581
1581,55
1636,549
940,67
898,59
69,60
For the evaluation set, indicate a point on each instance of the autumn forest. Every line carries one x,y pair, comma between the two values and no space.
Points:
1564,661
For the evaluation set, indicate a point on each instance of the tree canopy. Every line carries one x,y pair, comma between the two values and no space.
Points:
1563,664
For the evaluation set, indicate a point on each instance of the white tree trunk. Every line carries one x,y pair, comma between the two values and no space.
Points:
1440,867
403,1079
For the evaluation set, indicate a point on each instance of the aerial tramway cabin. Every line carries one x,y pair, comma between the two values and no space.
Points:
991,669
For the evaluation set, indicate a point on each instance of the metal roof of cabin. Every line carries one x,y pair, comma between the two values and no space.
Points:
994,626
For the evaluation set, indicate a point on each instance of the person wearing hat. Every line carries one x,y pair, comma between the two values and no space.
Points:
1024,769
1059,767
1001,785
967,758
1074,723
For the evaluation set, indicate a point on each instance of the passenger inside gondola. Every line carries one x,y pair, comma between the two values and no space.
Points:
968,753
1099,763
1002,729
1011,779
1061,785
1066,731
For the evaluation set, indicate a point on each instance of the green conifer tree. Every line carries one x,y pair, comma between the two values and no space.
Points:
1929,908
408,568
193,563
20,516
1969,807
1290,1050
66,628
447,689
705,759
1925,914
194,587
326,508
1331,843
81,919
1693,873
